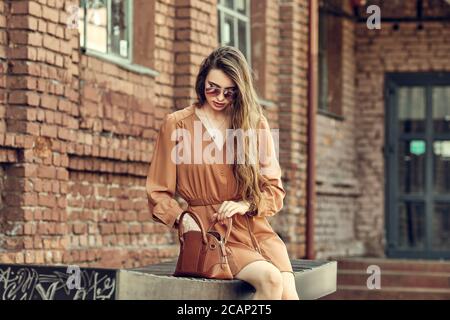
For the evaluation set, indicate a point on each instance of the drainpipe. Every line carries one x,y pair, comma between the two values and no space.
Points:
311,129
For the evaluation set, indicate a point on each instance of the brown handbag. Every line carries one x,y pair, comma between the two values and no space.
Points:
202,254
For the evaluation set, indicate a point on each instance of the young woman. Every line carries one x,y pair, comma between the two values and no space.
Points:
245,191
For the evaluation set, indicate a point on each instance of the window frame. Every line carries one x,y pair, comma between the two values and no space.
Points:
126,63
325,86
221,11
108,54
323,63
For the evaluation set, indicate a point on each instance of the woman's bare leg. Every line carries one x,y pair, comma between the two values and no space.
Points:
265,278
289,289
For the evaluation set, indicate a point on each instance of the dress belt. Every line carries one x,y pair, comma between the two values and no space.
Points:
203,202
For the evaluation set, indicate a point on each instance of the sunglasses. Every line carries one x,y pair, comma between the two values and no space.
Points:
229,94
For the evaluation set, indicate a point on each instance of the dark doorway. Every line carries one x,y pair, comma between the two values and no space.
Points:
417,155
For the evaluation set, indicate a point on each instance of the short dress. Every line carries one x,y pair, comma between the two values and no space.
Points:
205,186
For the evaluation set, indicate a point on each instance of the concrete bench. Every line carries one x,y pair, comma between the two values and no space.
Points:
314,279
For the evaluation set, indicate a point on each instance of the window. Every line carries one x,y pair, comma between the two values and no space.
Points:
234,25
105,27
330,64
119,31
323,70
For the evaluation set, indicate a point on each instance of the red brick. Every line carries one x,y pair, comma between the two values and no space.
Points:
29,228
62,202
13,213
49,102
51,43
30,199
49,131
50,14
62,174
29,257
46,172
47,200
79,228
47,185
19,37
106,228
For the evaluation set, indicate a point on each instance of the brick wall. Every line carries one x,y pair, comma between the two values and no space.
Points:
350,217
3,236
293,101
77,132
39,110
195,38
107,206
3,151
122,231
337,177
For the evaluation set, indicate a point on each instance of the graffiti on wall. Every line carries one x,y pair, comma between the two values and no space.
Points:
27,282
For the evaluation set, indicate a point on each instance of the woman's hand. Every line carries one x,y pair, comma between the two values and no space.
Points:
230,208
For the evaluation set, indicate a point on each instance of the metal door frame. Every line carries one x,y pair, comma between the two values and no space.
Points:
390,149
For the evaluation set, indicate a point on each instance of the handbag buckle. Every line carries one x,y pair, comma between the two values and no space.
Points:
222,249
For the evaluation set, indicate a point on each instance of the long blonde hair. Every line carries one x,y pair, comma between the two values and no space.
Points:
245,114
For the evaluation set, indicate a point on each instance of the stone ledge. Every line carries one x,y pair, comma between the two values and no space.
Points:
314,279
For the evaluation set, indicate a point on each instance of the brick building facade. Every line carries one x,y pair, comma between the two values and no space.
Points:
77,128
351,166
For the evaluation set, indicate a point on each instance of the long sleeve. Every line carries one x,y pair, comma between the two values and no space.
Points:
272,191
162,177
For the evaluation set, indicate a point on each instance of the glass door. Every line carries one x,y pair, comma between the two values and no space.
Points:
417,154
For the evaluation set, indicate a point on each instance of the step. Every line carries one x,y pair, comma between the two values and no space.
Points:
394,293
396,279
394,264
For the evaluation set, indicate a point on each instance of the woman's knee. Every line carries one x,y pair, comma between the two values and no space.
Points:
265,278
272,278
270,282
289,287
261,275
289,293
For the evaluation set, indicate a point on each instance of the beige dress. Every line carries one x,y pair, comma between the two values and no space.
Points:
205,186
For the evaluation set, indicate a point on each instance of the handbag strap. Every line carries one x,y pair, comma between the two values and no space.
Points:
199,222
227,234
202,229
